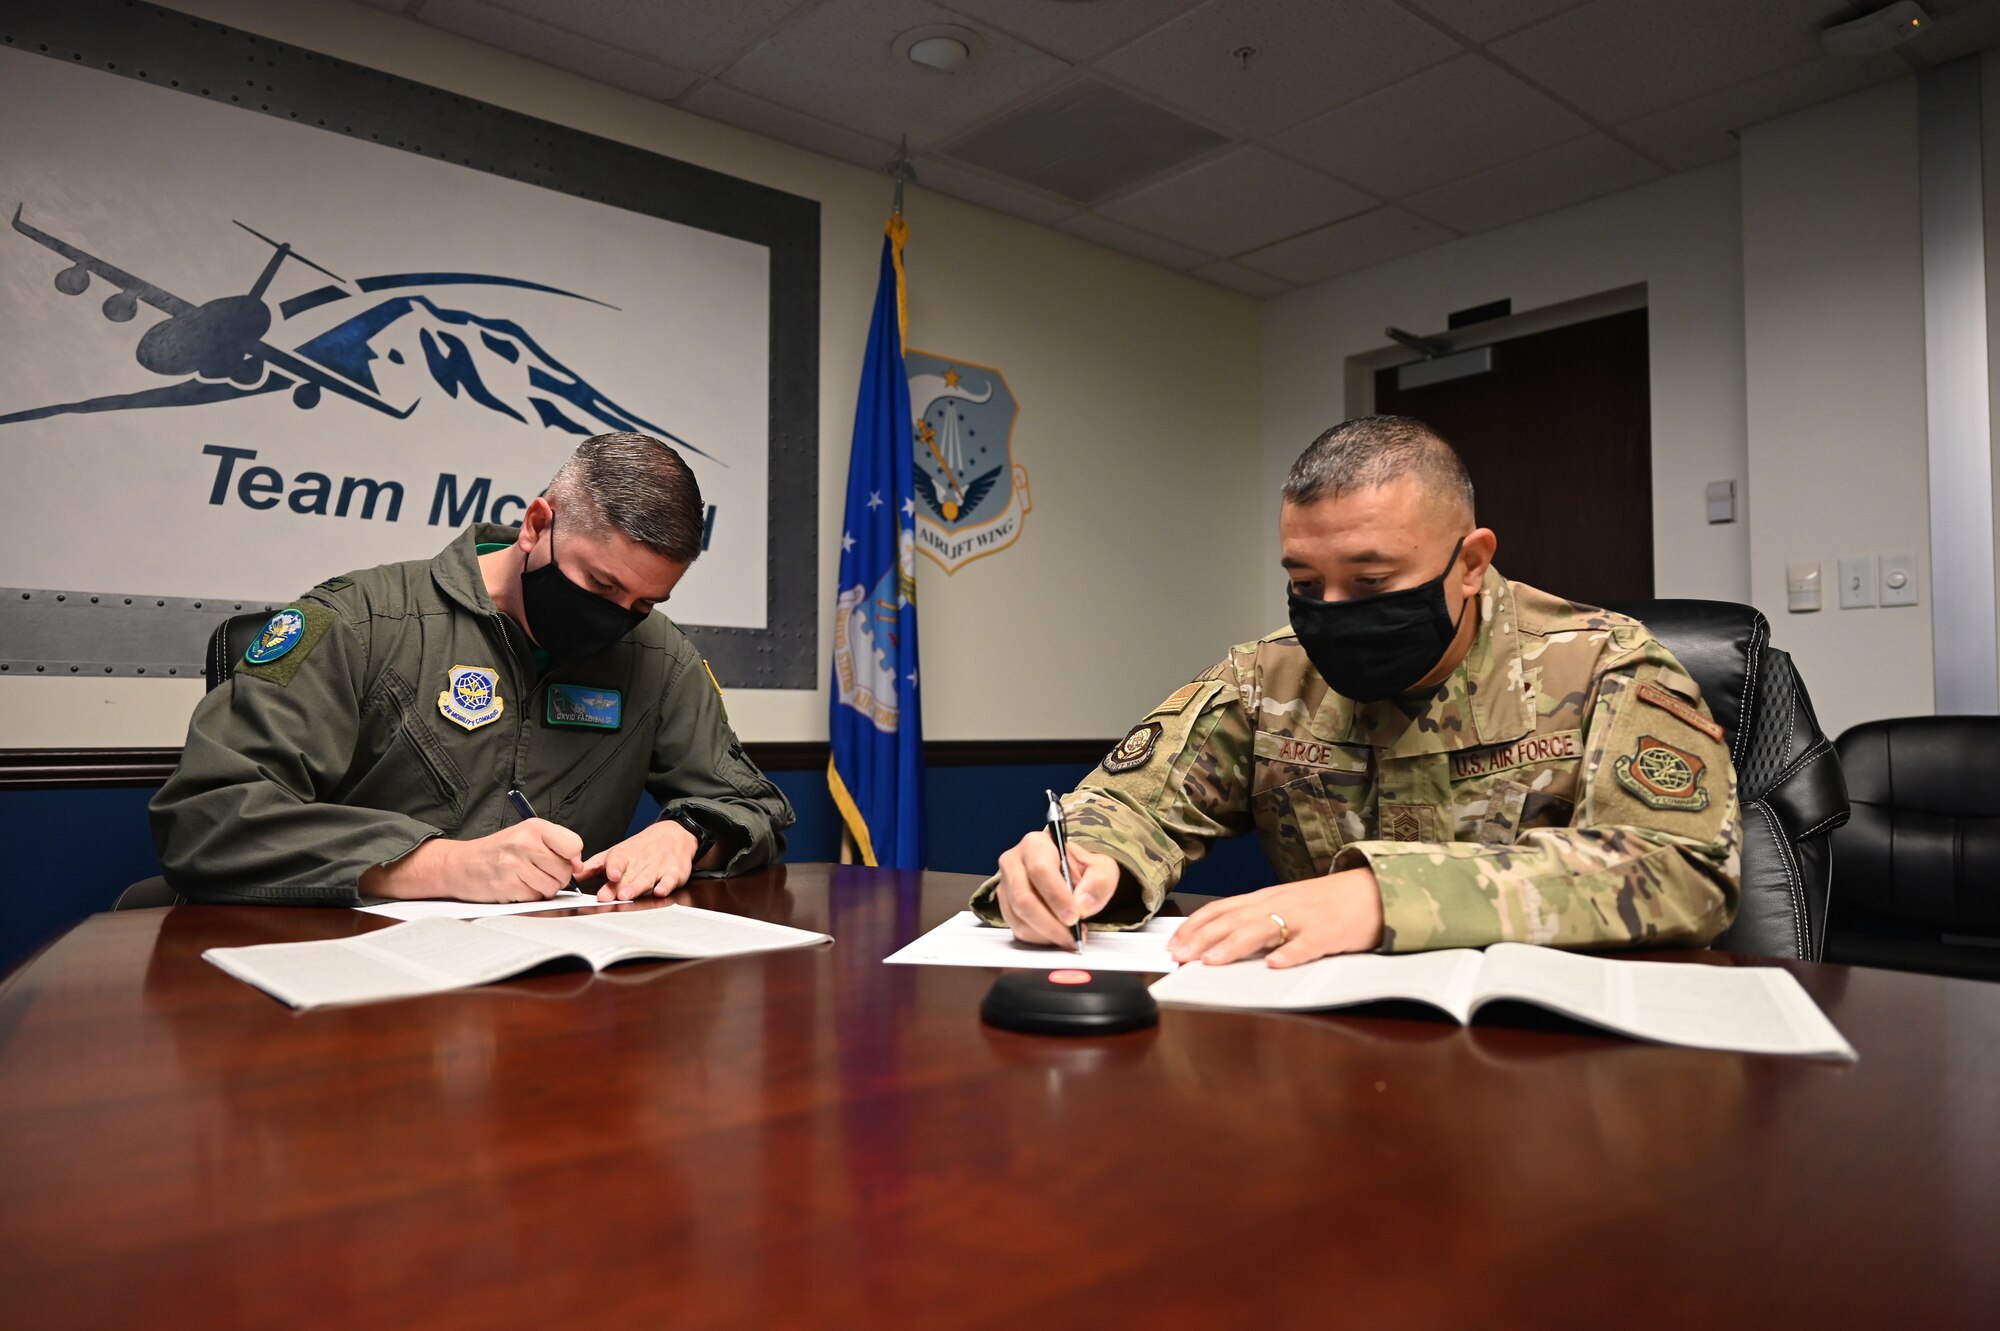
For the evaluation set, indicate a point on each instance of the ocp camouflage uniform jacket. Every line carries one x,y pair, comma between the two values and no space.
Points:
1565,785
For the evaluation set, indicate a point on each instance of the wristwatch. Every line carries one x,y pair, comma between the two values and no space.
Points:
704,840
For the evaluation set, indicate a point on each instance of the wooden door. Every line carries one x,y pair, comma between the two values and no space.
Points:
1558,439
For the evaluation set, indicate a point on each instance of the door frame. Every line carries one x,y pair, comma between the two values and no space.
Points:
1361,368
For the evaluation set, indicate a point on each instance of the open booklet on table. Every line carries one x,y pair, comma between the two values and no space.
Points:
1758,1010
429,956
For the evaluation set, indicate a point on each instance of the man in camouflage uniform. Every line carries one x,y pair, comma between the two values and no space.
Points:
367,744
1497,764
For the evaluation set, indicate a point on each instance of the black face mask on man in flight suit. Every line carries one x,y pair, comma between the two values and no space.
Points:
568,622
1373,647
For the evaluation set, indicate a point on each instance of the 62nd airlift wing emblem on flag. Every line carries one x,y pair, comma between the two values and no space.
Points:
1663,776
972,497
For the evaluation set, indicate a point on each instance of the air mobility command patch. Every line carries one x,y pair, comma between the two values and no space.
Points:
279,635
1133,751
1662,776
584,705
472,696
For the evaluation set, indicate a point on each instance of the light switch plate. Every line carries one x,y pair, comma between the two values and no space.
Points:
1721,498
1899,580
1802,587
1857,582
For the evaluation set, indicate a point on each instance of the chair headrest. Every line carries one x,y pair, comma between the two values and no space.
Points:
232,638
1942,766
1720,643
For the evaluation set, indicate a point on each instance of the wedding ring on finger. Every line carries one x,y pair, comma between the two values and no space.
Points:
1284,934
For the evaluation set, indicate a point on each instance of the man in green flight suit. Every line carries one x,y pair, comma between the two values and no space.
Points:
1431,756
366,744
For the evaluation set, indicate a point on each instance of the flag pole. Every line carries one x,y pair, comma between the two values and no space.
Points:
899,169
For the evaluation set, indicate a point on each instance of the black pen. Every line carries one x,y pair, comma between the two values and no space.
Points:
527,811
1059,833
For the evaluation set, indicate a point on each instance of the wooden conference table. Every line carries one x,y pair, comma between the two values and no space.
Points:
812,1138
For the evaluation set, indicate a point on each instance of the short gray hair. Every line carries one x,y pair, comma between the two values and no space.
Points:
1373,450
636,485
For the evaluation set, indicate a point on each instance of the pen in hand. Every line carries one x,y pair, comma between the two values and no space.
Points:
527,811
1059,833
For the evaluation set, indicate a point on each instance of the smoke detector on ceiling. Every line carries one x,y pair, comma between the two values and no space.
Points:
941,48
1878,31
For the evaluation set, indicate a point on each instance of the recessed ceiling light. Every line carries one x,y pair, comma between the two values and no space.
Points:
940,48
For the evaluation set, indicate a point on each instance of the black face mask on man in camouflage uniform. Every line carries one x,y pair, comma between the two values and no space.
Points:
570,622
1373,647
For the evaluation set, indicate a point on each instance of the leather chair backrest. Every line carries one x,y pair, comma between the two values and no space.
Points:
1923,847
232,638
226,645
1788,778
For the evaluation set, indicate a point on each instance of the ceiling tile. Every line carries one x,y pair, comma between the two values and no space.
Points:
718,101
554,46
1245,198
1085,140
1542,182
1483,20
692,34
837,62
1238,278
1359,242
1000,196
1698,132
1311,55
1073,31
1117,236
1435,126
1621,59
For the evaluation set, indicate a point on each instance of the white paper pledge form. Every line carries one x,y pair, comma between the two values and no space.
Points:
964,940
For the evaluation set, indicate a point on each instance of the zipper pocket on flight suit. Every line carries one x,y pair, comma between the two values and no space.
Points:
570,796
395,694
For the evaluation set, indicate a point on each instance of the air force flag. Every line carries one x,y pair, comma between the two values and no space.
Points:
877,769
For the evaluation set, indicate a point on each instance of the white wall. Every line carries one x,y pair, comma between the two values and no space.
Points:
1679,236
1139,427
1834,339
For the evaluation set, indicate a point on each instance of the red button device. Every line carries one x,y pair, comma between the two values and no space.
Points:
1069,977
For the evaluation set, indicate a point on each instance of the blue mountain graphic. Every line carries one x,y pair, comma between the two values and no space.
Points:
227,347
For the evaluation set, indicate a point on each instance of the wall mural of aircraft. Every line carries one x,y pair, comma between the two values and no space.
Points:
220,350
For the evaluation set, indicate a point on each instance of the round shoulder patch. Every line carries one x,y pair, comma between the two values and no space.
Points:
276,638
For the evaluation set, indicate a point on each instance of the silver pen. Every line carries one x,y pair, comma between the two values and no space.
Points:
1059,833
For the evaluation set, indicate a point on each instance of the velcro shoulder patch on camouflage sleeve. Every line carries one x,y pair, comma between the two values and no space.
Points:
1177,701
1662,776
1133,751
280,668
1686,711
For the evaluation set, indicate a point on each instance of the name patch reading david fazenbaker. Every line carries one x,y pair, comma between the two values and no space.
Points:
1534,749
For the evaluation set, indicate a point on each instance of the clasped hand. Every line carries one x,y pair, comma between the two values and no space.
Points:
532,861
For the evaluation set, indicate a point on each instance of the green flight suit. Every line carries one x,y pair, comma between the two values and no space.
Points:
1565,785
366,737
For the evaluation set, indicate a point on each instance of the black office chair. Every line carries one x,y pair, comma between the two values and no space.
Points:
232,638
1920,861
1788,776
